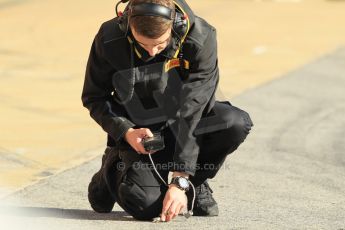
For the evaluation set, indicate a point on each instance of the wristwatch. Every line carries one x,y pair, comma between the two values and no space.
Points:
181,182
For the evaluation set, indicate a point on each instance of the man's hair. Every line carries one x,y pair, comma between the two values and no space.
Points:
151,26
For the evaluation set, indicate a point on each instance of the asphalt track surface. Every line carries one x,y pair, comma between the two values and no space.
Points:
289,174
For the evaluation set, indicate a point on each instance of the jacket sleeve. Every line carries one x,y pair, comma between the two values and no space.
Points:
197,91
97,94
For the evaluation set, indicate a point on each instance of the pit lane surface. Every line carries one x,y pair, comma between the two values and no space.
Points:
289,174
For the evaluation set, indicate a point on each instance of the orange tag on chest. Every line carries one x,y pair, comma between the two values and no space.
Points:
173,63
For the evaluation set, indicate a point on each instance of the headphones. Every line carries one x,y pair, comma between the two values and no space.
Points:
180,20
179,29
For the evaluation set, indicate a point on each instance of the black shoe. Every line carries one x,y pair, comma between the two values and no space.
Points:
99,195
205,204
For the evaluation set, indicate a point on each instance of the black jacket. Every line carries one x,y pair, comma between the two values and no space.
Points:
163,91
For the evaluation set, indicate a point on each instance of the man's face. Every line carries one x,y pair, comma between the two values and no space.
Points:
152,46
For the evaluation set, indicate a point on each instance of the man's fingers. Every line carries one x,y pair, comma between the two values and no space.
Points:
142,133
141,148
145,132
176,211
149,133
166,207
171,211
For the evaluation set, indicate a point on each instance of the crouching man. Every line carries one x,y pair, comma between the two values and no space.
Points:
154,69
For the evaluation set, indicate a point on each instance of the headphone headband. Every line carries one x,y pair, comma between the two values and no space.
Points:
151,9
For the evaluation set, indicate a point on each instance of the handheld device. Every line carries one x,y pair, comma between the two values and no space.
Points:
155,143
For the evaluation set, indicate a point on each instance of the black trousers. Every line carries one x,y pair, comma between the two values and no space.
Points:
137,188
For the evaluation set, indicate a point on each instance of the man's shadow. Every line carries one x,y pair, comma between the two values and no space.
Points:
63,213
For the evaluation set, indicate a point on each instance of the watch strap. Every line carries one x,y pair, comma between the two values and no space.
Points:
175,181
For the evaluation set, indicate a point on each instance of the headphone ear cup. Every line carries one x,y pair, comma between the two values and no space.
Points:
123,23
123,18
180,24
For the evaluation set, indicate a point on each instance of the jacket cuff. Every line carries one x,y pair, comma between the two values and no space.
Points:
184,167
122,125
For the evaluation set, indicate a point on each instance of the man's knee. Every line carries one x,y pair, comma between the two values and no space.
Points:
143,203
227,119
240,124
236,121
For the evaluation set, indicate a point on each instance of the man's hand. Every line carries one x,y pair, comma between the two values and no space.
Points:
174,202
134,138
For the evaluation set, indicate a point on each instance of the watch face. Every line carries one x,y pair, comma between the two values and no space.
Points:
183,182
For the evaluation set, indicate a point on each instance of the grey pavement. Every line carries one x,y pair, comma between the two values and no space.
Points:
289,173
